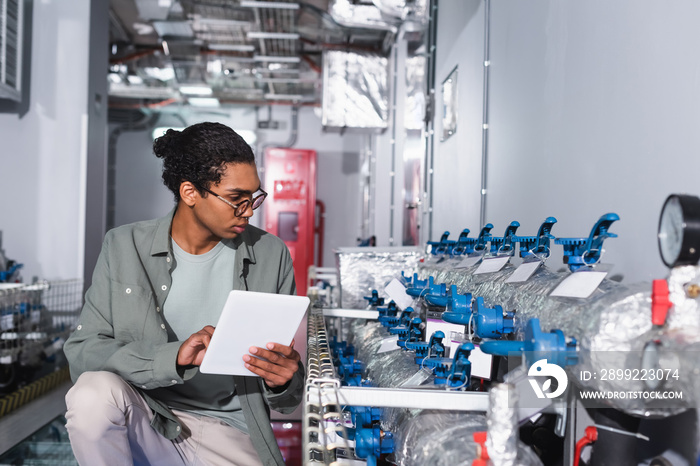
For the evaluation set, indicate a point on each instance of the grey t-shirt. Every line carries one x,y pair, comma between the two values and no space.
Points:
201,283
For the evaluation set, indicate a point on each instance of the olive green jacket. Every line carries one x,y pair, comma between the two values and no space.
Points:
121,328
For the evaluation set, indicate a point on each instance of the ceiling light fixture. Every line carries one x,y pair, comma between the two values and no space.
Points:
270,5
284,96
273,35
267,58
232,47
204,102
195,90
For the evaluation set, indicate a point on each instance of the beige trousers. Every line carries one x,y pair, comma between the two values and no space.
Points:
109,424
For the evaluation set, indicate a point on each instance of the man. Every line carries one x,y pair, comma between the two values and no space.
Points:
158,287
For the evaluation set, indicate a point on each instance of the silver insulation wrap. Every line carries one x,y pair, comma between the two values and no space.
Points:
355,91
612,326
362,270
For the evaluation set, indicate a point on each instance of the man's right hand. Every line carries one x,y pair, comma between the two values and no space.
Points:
192,350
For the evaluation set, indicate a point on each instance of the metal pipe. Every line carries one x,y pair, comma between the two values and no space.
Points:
485,125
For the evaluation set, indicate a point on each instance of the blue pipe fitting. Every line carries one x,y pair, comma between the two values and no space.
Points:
444,246
418,287
552,346
464,245
372,442
340,349
7,275
492,323
459,307
434,347
350,372
374,300
483,239
537,245
436,295
387,314
455,372
504,246
412,332
582,252
365,416
402,320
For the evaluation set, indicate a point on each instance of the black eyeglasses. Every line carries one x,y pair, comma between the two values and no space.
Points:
241,208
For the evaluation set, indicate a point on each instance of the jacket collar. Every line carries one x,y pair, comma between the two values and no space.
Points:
162,245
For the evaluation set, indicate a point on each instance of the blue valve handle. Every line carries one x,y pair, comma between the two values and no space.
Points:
414,331
581,252
491,323
459,307
454,371
465,245
504,246
536,245
434,347
552,346
444,246
374,300
7,274
407,280
418,287
371,443
461,368
390,309
401,320
484,237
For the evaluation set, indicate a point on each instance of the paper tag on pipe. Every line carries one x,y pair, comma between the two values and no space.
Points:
523,272
468,261
579,285
492,265
397,292
389,344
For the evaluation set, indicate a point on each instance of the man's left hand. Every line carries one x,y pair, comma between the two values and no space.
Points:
278,365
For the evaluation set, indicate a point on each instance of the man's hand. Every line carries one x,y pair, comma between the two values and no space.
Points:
192,350
278,366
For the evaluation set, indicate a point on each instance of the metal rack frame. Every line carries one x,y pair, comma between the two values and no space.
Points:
325,398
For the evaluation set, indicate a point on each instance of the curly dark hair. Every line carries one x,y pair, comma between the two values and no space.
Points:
199,154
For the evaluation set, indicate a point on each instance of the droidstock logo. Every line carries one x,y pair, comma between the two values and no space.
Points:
544,369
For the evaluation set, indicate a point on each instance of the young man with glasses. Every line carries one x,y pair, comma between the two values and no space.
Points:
158,287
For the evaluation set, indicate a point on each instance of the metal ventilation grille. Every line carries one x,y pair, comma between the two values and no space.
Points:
10,48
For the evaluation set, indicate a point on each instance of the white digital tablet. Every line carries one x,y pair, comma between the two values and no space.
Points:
251,319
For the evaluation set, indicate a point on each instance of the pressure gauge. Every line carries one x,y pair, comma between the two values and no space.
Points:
679,230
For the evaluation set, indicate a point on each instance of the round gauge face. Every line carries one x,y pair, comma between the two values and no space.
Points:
671,231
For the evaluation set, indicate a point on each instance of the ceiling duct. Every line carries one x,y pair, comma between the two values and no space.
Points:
355,91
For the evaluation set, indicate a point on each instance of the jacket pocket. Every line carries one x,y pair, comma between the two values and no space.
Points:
131,305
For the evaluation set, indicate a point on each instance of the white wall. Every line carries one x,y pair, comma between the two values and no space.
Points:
41,155
593,109
140,193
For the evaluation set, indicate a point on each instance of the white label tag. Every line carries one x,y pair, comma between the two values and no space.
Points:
468,262
397,292
492,265
389,344
579,285
524,272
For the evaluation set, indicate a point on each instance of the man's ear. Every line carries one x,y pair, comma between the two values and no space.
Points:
188,193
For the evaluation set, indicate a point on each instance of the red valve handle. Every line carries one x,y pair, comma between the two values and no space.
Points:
482,458
590,435
660,304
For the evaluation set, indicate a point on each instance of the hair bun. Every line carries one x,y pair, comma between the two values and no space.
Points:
167,144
